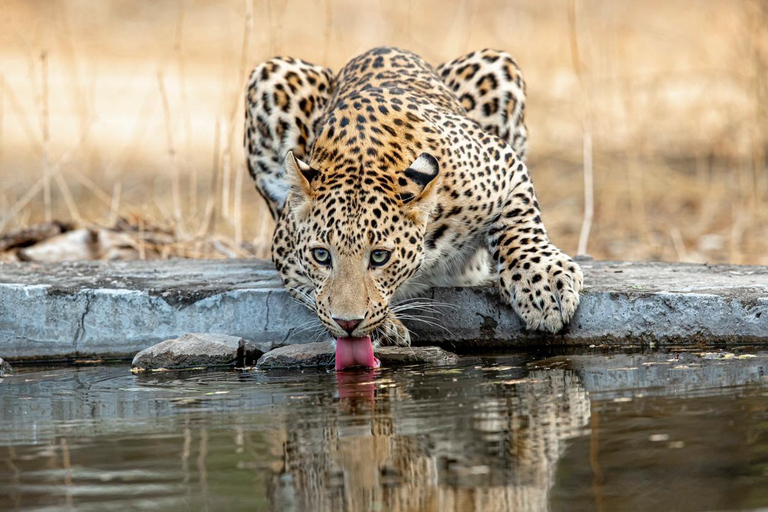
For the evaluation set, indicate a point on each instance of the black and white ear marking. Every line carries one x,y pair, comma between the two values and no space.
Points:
423,170
300,177
417,178
295,166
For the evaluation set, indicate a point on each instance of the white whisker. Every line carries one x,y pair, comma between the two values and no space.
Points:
424,321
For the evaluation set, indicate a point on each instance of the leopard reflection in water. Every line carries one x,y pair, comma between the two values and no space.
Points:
400,448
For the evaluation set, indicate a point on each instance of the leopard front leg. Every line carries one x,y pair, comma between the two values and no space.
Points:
536,278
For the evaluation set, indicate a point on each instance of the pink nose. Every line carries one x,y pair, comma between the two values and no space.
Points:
348,325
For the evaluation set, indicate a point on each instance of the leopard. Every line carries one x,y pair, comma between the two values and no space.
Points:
393,176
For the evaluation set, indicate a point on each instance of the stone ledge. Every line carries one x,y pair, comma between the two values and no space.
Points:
54,311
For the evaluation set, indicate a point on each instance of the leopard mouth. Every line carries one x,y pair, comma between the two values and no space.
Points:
351,352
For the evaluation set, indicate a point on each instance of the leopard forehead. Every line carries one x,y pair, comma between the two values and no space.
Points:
356,214
359,160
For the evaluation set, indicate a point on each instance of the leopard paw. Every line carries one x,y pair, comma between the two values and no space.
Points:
393,333
543,290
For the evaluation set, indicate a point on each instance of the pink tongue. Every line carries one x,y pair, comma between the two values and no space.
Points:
355,352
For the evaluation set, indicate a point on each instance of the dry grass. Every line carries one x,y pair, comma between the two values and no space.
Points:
122,109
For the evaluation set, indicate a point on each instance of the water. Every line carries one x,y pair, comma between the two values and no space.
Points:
653,431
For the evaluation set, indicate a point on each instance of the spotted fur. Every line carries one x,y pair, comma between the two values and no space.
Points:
392,155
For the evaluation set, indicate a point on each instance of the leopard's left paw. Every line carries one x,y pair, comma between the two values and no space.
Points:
393,333
543,290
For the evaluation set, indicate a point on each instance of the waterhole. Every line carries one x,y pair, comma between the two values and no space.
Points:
526,431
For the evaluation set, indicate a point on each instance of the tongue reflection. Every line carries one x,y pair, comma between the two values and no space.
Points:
355,352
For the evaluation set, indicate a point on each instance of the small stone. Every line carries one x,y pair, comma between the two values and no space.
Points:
323,354
299,356
196,351
399,356
5,368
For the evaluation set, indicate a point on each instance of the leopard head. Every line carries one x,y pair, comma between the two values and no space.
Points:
359,234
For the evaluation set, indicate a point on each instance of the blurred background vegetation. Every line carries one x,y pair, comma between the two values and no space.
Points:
128,114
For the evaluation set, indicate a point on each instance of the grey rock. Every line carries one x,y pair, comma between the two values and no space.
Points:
198,350
322,354
115,309
5,368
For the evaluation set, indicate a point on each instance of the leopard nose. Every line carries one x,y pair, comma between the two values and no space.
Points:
348,325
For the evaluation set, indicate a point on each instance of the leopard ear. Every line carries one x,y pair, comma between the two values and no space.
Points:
301,177
417,187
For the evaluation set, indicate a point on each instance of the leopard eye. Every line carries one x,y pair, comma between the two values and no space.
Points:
379,257
322,256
